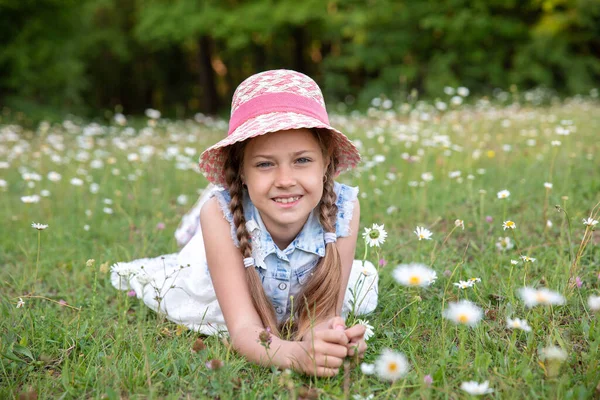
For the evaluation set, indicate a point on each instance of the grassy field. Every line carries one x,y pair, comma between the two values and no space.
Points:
117,191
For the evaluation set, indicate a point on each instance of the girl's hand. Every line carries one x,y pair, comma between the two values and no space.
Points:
356,340
322,351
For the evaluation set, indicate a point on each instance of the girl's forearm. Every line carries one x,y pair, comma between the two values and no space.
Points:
280,353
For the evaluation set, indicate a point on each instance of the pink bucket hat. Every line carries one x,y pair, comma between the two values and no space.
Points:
273,101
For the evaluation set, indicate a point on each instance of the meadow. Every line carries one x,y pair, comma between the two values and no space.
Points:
461,168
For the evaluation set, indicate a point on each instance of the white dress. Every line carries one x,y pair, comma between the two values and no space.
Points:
179,286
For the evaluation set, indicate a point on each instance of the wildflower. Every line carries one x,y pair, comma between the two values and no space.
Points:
533,297
462,91
20,303
382,262
76,182
475,388
427,176
489,219
459,223
504,243
86,228
54,176
547,185
131,293
38,226
182,199
590,222
577,282
463,284
153,114
124,270
594,303
514,262
107,210
553,358
375,236
62,302
391,365
549,224
414,274
198,345
464,312
518,324
214,364
555,143
503,194
527,259
509,225
423,233
34,198
369,332
427,380
160,226
90,263
265,338
367,369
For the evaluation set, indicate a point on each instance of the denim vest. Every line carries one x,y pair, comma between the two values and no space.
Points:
284,272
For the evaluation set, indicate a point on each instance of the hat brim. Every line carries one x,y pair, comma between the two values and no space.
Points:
212,160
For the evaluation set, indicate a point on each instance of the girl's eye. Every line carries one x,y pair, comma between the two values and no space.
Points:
264,164
303,160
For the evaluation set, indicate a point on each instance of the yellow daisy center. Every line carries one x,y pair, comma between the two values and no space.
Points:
392,366
510,223
414,280
541,297
463,318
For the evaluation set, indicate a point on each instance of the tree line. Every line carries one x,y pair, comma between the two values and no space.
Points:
187,56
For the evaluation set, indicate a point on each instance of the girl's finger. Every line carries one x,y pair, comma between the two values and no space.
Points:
333,336
357,331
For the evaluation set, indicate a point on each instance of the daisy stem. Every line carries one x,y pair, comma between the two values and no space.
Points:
37,262
504,210
462,345
545,212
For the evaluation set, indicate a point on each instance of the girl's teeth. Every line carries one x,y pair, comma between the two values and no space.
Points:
288,200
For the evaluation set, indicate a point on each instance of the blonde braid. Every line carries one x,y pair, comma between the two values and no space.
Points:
234,182
319,298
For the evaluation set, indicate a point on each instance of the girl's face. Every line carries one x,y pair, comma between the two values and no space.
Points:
284,173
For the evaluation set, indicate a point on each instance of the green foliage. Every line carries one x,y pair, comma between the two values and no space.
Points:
187,56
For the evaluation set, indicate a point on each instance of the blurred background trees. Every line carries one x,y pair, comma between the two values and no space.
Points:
187,56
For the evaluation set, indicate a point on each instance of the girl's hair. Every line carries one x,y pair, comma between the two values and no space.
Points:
319,297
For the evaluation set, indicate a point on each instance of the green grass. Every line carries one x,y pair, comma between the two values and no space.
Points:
107,345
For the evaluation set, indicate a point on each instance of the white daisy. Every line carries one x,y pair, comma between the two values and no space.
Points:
503,194
54,176
367,369
124,270
553,353
375,236
527,259
34,198
594,303
423,233
508,225
547,185
459,223
475,388
20,303
518,324
464,312
463,284
76,182
391,365
414,274
369,332
533,297
514,262
504,243
38,226
590,222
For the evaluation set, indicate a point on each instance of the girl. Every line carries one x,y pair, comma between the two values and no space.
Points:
272,245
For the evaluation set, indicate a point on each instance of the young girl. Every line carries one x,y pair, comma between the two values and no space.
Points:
270,245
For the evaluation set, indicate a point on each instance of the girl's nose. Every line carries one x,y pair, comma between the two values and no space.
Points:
285,177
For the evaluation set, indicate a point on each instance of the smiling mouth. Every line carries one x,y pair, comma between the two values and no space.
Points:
286,200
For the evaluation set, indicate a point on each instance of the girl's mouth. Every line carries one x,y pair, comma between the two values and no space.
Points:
287,201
